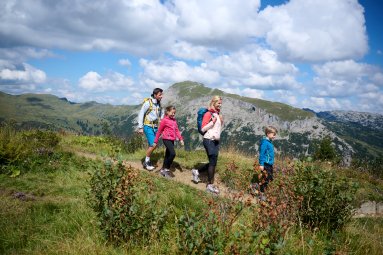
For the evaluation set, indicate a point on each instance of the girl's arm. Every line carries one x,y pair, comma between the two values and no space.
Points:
160,130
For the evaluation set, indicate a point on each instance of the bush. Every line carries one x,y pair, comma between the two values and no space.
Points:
238,224
126,205
134,143
327,198
325,150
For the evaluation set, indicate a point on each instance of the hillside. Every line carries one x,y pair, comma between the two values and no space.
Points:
50,112
300,130
363,131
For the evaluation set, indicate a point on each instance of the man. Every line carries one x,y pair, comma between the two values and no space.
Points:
148,122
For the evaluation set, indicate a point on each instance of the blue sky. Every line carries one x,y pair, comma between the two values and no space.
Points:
318,54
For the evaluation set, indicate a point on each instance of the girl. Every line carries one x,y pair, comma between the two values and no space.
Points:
211,126
169,131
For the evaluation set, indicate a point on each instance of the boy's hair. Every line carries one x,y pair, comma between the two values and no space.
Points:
169,108
270,129
156,91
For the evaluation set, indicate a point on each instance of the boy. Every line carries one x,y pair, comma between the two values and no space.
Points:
266,160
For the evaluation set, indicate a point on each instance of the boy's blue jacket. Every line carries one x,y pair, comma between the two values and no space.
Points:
266,152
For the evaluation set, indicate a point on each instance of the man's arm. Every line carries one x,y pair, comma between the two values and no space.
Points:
141,115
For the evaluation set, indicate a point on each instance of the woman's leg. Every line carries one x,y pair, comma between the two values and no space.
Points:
212,149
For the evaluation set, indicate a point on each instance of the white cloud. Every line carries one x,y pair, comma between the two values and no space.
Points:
169,72
217,23
125,62
315,30
247,92
371,102
140,26
21,74
186,50
326,104
346,78
112,81
250,60
22,54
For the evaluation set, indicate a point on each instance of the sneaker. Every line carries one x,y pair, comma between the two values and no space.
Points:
262,197
166,173
148,166
195,177
212,189
254,188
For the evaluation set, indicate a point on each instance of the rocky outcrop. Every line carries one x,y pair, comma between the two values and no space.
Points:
368,209
244,120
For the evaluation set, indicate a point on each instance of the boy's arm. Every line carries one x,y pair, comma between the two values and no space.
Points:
262,155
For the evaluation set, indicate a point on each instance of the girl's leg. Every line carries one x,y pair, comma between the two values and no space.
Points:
170,153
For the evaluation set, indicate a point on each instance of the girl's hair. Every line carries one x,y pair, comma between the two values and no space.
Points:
270,129
169,108
214,100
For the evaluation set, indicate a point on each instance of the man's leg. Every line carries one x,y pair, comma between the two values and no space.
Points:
150,134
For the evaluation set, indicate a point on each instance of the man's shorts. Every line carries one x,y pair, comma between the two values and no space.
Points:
150,134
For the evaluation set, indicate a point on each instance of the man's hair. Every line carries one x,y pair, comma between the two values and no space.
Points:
156,91
270,129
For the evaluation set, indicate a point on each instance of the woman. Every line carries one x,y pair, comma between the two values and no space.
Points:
212,123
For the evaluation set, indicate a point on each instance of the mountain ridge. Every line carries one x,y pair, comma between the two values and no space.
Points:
300,130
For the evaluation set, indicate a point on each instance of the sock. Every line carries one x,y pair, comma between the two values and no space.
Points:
147,159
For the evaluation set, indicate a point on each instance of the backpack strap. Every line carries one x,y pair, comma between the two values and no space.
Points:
150,109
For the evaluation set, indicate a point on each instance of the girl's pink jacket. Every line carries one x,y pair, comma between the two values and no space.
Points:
169,130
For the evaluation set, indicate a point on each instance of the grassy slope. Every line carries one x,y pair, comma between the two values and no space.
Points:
58,220
50,111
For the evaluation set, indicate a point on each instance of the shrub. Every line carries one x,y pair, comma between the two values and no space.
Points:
239,224
134,143
126,206
327,198
325,150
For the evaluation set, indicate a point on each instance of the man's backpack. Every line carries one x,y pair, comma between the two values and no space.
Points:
201,112
146,121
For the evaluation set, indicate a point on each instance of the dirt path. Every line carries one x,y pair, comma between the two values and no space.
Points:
184,176
179,175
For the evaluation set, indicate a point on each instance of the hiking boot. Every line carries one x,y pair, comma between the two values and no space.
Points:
195,177
148,165
212,189
166,173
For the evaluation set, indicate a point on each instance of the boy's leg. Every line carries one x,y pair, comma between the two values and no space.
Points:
269,177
